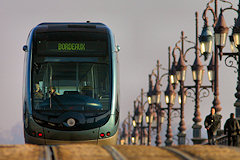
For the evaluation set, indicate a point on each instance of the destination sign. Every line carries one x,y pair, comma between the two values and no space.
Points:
68,48
71,47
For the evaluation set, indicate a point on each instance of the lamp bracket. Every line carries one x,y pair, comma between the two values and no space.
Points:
230,63
205,93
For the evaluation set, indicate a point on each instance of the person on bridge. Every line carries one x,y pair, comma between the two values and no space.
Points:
232,129
212,123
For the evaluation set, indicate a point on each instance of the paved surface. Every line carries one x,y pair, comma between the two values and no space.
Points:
117,152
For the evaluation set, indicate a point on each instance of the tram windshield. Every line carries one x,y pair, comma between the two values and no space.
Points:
71,74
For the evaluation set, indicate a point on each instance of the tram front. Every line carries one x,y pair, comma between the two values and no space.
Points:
71,85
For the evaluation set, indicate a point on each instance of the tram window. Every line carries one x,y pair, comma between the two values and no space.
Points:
70,82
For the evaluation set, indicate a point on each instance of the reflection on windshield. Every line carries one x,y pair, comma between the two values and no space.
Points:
71,86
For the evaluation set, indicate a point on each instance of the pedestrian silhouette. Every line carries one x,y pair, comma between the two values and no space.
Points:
212,123
232,129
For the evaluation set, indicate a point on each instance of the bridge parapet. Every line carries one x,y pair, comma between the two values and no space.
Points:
118,152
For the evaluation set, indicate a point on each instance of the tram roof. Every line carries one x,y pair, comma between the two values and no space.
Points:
50,27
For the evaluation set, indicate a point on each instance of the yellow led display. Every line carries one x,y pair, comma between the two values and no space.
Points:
71,46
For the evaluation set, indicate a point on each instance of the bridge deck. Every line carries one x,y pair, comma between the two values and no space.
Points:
117,152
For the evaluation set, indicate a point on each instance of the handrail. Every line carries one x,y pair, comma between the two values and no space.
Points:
221,140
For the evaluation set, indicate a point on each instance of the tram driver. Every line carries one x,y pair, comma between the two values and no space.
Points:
53,92
38,92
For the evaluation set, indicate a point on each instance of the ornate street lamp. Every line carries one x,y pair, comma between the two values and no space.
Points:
138,115
149,119
150,90
135,136
181,68
211,71
156,95
184,97
206,40
134,122
232,44
173,75
149,116
170,95
197,70
170,100
236,33
124,137
221,32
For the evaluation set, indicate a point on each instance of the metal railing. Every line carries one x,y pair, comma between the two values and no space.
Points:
221,140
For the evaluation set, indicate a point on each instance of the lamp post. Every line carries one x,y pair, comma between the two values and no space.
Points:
170,100
135,136
154,97
124,136
181,76
221,31
236,37
126,133
149,118
206,40
197,73
138,114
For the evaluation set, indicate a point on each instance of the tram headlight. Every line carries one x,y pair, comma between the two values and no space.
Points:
71,122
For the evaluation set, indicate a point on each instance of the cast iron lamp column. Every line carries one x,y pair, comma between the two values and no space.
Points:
138,119
197,72
124,136
135,136
221,31
157,94
181,75
149,119
170,100
154,98
236,37
204,41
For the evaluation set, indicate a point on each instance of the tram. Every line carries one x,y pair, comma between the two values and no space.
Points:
71,86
